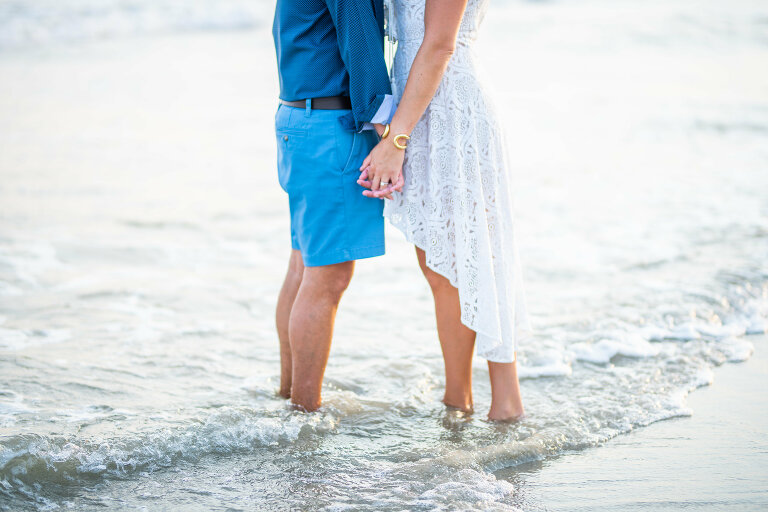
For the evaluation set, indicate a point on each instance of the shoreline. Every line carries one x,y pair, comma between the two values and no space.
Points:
716,459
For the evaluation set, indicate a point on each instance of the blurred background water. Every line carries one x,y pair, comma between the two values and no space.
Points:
143,238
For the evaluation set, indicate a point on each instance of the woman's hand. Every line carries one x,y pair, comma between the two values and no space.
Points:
384,165
385,193
442,20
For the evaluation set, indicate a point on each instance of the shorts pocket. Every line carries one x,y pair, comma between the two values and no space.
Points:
347,144
290,142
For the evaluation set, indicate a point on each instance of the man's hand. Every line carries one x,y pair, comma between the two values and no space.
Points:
385,193
384,165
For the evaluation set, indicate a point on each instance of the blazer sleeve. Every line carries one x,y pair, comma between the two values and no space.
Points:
361,44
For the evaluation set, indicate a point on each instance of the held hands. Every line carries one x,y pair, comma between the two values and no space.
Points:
382,170
384,192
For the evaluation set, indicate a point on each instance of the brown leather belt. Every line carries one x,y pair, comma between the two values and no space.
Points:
327,103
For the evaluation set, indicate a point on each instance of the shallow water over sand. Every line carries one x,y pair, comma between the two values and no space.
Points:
143,238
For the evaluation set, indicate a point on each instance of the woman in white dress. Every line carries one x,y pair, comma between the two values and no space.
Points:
455,203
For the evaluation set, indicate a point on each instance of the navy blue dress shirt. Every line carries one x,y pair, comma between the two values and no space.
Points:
333,48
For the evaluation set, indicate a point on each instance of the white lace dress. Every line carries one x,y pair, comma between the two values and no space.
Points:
456,204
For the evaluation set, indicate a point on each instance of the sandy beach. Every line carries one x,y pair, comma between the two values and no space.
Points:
717,459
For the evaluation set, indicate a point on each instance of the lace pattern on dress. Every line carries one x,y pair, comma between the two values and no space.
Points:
456,204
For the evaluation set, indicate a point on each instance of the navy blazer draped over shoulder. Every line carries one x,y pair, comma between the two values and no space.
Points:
332,48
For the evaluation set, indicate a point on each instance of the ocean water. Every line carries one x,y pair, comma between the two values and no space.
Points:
143,239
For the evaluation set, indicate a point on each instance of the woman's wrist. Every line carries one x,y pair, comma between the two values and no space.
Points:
399,133
397,127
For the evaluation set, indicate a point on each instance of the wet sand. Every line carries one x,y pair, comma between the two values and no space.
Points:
717,459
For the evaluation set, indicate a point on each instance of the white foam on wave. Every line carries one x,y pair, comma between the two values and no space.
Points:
553,441
431,484
466,487
12,339
736,350
684,332
750,311
757,325
91,413
748,318
16,339
751,317
37,458
720,330
676,400
497,456
602,351
547,363
11,406
754,315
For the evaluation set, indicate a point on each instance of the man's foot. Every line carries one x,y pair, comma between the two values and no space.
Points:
305,407
285,393
305,398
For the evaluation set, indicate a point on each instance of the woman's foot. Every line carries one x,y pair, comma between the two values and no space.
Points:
465,405
456,419
506,413
506,402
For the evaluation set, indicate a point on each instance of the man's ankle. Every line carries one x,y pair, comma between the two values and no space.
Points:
305,404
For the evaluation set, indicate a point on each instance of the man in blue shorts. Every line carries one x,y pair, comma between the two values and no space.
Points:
334,97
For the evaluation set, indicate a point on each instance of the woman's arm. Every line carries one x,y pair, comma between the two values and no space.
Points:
442,19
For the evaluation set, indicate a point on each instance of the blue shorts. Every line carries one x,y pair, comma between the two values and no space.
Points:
318,166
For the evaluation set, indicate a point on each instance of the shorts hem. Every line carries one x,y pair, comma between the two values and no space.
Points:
342,255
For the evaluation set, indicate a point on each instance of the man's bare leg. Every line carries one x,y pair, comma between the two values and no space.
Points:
311,328
284,305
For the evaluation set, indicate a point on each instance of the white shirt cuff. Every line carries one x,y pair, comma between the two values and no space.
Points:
384,114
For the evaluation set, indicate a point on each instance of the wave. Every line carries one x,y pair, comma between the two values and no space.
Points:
463,478
25,23
34,458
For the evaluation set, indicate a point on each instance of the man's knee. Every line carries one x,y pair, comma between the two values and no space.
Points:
332,279
295,267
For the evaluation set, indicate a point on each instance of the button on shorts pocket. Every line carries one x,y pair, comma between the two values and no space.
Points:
290,145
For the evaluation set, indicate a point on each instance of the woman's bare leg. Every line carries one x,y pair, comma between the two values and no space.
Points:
506,402
456,339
